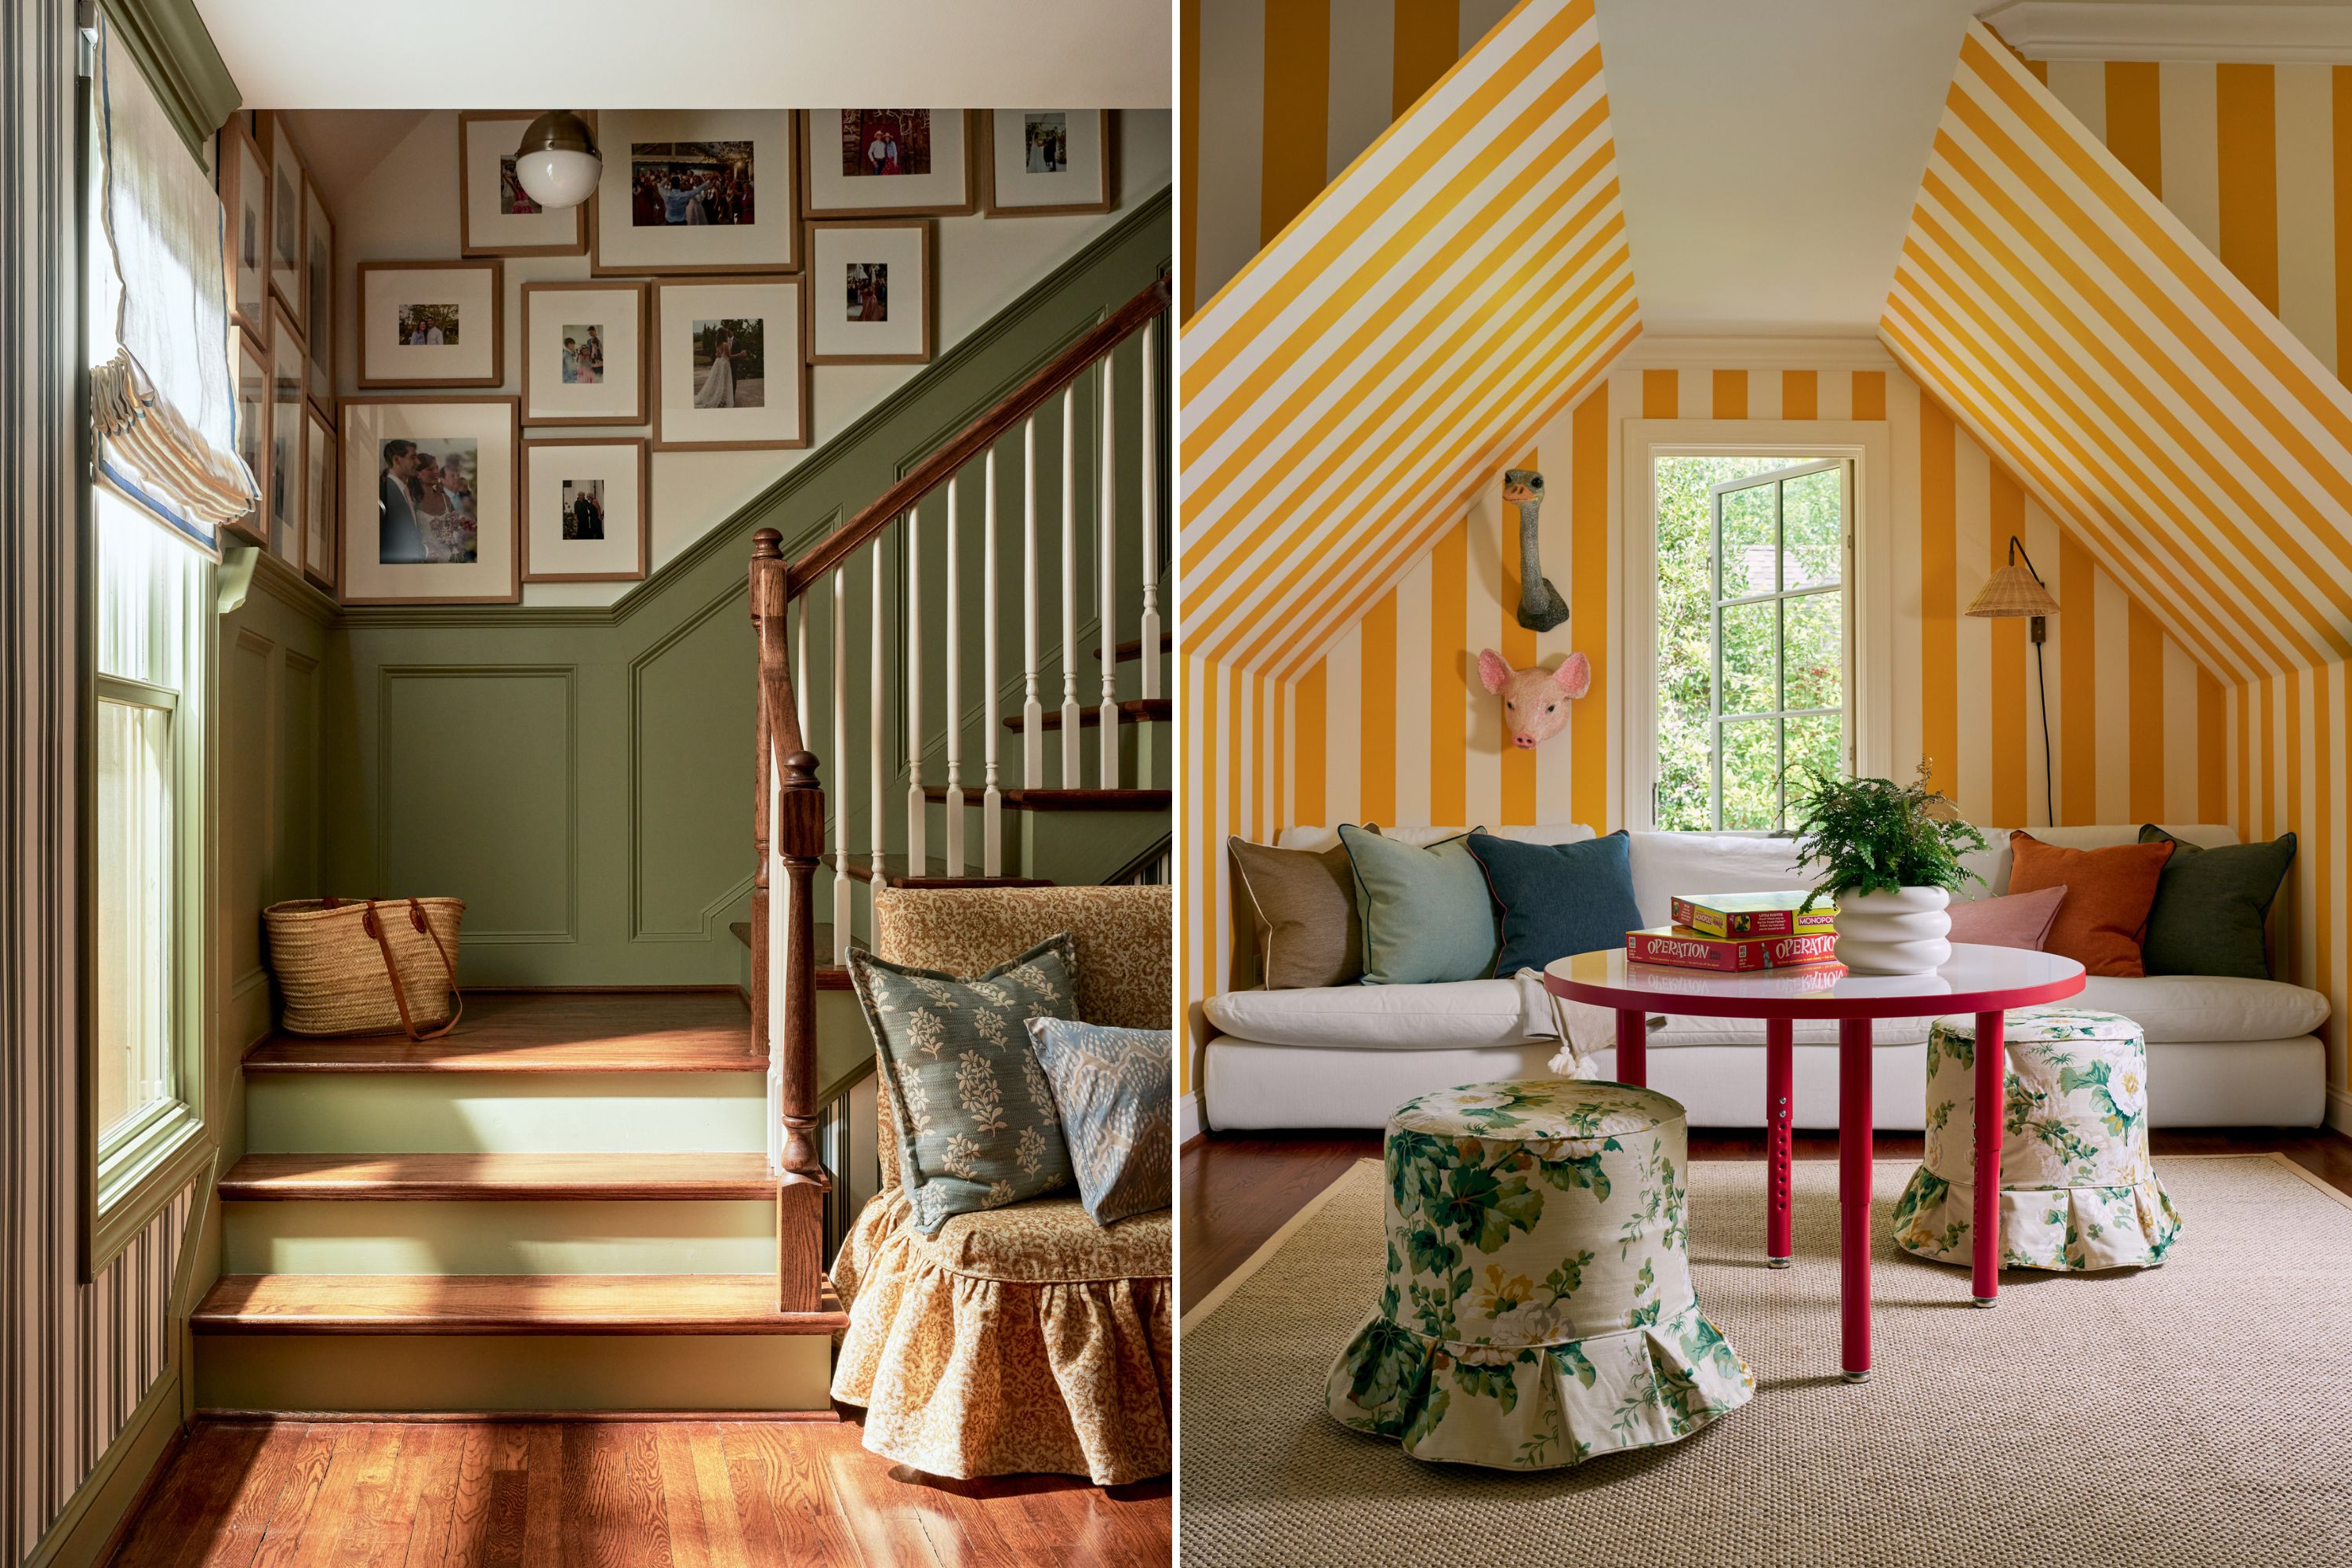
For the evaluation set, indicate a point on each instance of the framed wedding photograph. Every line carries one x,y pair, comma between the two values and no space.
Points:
253,431
496,216
887,163
585,518
431,323
707,191
727,364
285,253
869,293
318,242
245,208
428,487
289,380
318,499
583,352
1035,161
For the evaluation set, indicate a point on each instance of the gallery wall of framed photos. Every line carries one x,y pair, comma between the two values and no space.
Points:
742,284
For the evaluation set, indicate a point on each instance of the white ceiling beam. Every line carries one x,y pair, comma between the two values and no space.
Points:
2154,30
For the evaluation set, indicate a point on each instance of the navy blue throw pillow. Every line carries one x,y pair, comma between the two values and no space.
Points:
1559,899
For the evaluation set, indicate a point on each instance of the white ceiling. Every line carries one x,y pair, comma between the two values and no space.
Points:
693,54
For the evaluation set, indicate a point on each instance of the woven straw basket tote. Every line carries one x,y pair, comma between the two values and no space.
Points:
364,967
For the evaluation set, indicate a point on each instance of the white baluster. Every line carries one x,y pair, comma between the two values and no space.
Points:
1033,717
842,903
992,799
918,808
1150,520
874,718
1107,587
1070,722
955,685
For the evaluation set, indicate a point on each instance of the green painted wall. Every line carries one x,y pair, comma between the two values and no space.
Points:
582,777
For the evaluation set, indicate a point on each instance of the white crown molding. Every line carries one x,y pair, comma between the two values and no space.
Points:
1843,351
2153,30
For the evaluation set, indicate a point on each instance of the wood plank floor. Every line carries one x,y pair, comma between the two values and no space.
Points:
731,1494
1239,1188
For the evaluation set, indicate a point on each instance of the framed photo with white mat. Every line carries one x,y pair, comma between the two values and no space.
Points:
318,497
286,258
888,162
496,216
282,489
431,323
695,191
728,365
252,367
1038,161
585,517
244,183
319,243
428,490
869,293
583,352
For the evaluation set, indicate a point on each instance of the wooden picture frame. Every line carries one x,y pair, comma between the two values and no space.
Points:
289,391
318,532
679,425
831,193
485,224
389,312
243,186
364,426
251,402
625,240
625,460
830,335
319,274
549,311
287,176
1021,193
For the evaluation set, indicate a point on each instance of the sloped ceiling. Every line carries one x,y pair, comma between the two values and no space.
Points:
2090,341
1463,278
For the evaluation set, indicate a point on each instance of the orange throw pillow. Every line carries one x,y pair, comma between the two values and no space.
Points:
2108,894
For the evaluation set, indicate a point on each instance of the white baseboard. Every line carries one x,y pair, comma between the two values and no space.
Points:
1187,1119
2339,1111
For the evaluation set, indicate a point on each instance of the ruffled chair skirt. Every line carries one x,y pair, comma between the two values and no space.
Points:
965,1372
1536,1408
2075,1229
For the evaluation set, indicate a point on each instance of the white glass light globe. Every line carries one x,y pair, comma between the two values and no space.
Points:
556,177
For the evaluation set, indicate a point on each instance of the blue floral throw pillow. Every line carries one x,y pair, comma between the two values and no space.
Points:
1112,1089
973,1112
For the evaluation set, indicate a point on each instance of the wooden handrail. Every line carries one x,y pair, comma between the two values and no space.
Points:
969,443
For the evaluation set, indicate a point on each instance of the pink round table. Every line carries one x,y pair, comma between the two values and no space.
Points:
1985,981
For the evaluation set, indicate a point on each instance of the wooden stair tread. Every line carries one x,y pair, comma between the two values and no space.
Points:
547,1031
860,867
1067,799
1141,709
505,1304
829,977
484,1176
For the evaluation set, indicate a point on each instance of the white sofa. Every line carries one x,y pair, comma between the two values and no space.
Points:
2221,1052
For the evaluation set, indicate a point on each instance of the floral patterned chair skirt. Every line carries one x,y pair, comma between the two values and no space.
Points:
2077,1190
1538,1307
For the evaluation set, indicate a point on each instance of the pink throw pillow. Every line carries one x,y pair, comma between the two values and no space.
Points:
2014,920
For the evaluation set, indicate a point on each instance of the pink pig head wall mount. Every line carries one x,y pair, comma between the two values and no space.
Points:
1534,699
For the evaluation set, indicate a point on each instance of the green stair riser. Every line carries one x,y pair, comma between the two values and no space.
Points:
498,1236
466,1112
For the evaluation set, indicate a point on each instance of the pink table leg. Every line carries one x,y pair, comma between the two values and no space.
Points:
1992,1104
1780,1088
1634,1047
1853,1194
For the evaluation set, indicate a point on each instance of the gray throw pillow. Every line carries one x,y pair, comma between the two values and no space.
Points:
1112,1089
2211,905
1427,913
973,1110
1305,902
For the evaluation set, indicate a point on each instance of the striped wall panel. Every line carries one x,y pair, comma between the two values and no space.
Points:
1455,286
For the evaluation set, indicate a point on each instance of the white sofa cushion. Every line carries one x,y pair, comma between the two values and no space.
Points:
1667,864
2205,1008
1317,839
1457,1014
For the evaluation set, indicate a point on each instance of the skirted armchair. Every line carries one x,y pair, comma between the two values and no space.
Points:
1026,1338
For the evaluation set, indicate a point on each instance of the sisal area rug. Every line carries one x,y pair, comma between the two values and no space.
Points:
2199,1414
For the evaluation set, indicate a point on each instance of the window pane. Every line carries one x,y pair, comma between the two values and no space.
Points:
135,923
1812,529
1751,776
1814,651
1750,683
1747,544
1820,742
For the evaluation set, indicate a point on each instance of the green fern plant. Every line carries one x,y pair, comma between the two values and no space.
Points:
1873,836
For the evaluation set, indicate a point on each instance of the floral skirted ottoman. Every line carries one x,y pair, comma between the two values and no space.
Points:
1538,1307
2077,1190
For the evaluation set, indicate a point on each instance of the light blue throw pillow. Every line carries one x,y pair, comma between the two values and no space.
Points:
1426,913
1113,1089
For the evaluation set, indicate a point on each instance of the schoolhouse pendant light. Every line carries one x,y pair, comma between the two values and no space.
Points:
557,161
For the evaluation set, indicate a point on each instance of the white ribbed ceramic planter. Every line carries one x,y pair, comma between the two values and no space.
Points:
1900,933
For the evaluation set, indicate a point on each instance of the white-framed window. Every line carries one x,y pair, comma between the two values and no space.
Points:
1756,618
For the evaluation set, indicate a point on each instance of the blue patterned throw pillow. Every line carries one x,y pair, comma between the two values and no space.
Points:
973,1112
1112,1090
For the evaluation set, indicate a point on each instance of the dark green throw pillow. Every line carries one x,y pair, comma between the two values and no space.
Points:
1559,899
2210,904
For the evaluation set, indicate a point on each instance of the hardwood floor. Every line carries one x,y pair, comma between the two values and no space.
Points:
731,1494
1239,1188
